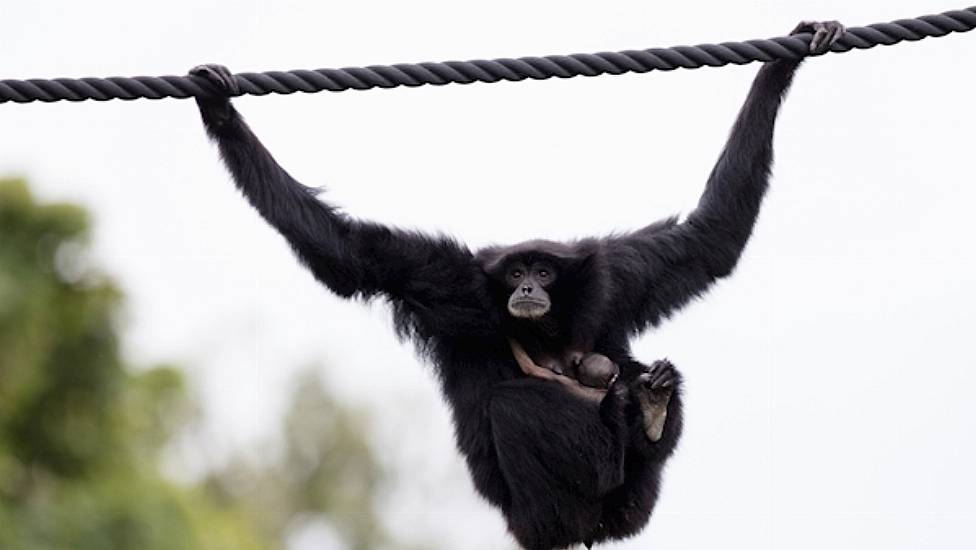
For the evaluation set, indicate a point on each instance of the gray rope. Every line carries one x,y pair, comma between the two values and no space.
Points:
465,72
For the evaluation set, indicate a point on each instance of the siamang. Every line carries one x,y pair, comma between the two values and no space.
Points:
562,429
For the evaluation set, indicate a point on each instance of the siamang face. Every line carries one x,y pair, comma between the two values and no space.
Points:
537,281
529,282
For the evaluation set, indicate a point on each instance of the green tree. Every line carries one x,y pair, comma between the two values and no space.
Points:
81,433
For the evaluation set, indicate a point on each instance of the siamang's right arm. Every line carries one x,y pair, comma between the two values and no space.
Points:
427,278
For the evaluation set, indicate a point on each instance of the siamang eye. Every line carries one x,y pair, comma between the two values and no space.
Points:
544,273
517,274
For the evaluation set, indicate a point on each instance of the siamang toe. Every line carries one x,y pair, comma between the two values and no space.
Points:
662,374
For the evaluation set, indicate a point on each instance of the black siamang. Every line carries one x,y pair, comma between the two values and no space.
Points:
513,330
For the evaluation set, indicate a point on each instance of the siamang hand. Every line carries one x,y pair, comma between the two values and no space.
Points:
825,33
216,109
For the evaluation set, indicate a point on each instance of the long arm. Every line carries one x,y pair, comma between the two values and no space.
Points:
661,267
425,277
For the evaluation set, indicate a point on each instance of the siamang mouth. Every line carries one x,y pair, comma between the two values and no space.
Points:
528,308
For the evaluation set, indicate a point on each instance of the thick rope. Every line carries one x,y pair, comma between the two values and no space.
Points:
466,72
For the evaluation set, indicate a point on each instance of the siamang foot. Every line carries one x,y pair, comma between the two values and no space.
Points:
216,109
653,391
825,33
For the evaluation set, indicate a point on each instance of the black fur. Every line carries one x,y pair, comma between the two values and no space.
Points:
563,470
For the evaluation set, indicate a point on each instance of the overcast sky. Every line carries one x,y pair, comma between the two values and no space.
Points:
829,381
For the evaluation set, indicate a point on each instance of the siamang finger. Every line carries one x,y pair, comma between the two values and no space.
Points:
803,27
837,30
819,36
219,76
824,35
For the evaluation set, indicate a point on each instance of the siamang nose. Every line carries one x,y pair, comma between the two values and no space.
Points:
526,290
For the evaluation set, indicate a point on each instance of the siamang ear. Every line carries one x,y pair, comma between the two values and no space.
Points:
491,260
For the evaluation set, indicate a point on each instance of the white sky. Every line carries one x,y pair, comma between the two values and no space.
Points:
829,380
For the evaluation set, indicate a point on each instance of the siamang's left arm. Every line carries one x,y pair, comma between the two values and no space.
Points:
429,279
661,267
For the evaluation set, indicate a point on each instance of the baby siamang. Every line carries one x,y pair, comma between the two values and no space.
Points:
512,330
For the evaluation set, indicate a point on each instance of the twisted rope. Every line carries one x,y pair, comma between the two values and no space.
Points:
466,72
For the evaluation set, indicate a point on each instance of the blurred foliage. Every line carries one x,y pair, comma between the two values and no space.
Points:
82,434
324,468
